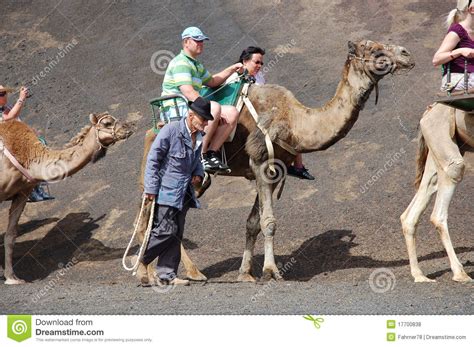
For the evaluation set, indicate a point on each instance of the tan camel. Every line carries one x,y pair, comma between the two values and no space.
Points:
305,130
445,135
45,164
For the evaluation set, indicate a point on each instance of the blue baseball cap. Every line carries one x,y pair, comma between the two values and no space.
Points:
195,33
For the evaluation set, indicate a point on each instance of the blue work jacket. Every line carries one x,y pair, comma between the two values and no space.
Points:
171,164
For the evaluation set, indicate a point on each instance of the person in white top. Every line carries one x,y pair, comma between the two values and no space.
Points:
11,112
252,61
8,113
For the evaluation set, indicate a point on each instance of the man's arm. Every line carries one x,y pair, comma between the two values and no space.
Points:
198,168
221,77
158,151
188,91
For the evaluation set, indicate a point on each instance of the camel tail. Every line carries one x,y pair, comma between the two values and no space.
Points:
421,157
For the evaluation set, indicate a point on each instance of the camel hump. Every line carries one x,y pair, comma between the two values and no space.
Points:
20,140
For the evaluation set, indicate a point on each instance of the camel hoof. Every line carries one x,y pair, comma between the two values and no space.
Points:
423,279
142,275
246,278
196,276
14,281
269,274
463,278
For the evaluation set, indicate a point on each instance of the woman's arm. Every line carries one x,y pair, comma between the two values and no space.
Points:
16,109
447,51
221,77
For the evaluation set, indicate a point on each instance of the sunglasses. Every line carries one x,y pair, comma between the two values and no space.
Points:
3,94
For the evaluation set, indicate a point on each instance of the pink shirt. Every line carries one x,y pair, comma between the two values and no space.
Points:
457,65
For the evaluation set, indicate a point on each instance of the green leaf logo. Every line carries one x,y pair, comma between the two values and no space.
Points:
19,327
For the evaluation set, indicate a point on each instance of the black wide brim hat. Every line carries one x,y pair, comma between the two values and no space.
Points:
202,107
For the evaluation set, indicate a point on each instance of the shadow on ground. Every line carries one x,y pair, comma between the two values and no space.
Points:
327,252
69,240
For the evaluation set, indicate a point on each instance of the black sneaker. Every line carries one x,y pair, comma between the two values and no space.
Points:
300,173
211,162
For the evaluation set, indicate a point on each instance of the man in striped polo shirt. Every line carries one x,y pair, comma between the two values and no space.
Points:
186,75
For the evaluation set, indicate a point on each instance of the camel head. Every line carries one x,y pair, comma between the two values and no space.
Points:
377,59
108,131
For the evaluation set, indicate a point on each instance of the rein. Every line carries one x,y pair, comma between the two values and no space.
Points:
367,71
112,132
369,75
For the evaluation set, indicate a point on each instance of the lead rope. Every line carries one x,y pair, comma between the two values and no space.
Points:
145,238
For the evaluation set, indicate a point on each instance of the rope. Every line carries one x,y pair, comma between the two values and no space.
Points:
16,164
268,141
145,238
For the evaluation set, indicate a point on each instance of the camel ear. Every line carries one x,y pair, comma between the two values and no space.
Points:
93,118
352,47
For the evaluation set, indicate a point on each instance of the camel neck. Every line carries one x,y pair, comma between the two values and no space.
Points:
322,127
55,165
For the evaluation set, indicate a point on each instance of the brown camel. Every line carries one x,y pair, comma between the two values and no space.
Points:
445,135
45,164
302,128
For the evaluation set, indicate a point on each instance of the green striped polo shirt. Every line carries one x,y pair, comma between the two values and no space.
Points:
184,70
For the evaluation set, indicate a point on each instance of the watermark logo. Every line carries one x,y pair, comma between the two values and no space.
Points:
382,280
159,61
19,327
382,62
316,321
273,171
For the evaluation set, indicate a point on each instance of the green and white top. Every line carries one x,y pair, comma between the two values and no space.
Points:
184,70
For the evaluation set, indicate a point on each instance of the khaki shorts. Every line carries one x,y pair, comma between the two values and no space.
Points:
457,80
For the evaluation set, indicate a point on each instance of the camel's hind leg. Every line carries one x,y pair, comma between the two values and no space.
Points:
16,209
412,214
192,271
439,217
253,228
438,128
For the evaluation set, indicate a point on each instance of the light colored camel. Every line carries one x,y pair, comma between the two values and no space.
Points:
302,128
445,135
45,164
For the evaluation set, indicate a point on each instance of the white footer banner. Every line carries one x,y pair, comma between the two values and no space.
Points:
50,330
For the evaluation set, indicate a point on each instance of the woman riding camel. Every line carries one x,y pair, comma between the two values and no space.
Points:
252,60
457,46
7,113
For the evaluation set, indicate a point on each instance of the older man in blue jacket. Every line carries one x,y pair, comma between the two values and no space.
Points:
173,166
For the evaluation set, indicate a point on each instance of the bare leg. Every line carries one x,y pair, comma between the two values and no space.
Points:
16,209
192,272
253,228
412,214
299,161
211,126
229,119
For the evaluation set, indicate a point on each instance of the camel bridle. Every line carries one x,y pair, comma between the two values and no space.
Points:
367,70
99,128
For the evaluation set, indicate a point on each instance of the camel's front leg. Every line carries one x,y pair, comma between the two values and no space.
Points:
267,222
412,214
253,228
439,218
16,209
192,272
